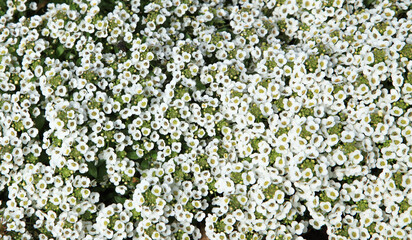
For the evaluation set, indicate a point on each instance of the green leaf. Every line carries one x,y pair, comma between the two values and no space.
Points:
3,7
78,61
43,157
368,2
39,122
102,171
92,169
200,85
223,29
145,164
119,199
132,155
60,50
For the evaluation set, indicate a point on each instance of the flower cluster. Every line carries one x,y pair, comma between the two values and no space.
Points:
183,119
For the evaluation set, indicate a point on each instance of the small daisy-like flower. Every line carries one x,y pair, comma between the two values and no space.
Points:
347,136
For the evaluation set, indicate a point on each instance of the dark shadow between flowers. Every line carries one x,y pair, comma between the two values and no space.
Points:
368,3
376,171
313,234
4,197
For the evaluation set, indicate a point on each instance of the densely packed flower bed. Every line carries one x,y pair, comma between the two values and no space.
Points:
188,119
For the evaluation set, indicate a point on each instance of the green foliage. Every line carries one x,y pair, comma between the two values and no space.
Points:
371,228
407,51
270,191
222,152
304,27
329,3
324,198
343,231
312,63
290,218
65,172
349,147
337,88
92,169
273,155
119,199
282,25
282,131
179,174
211,185
247,159
132,155
236,94
350,179
202,161
306,112
189,206
361,80
380,55
270,64
404,205
376,118
146,163
59,50
200,85
255,143
397,178
336,129
97,171
234,203
221,124
75,154
236,177
408,78
307,163
209,110
381,27
259,215
305,133
3,7
220,226
87,216
172,113
150,198
136,215
310,94
279,104
31,158
362,205
106,7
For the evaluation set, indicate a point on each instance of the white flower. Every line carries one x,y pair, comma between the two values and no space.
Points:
296,228
121,190
294,174
82,147
347,136
325,206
